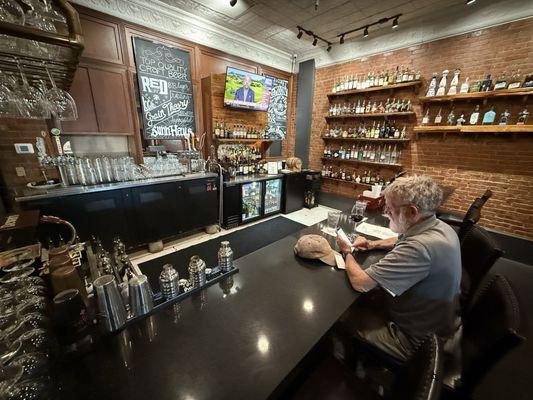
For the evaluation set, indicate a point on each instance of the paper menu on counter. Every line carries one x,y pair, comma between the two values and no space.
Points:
374,230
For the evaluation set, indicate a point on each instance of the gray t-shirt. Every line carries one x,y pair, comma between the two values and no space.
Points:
423,273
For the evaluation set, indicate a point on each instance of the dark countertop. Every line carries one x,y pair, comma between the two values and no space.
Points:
27,194
251,178
239,344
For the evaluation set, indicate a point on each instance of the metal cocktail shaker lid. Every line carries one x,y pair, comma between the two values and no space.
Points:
169,282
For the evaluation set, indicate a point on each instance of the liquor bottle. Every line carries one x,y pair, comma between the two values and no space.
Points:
372,157
476,86
377,131
425,118
368,107
451,118
515,81
461,120
438,117
504,117
474,117
222,130
453,84
217,130
403,133
522,117
323,172
501,82
489,116
464,86
432,86
486,85
528,81
394,155
442,84
343,174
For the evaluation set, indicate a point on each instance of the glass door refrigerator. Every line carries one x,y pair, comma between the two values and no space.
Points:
272,196
251,201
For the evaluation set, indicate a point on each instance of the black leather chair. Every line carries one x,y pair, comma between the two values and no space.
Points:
490,331
420,378
479,252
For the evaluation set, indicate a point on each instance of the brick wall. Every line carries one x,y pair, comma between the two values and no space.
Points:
471,164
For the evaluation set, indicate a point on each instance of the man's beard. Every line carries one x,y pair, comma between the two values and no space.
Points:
399,226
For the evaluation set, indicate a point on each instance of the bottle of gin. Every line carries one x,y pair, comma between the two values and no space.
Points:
425,118
474,117
489,116
464,86
461,120
451,118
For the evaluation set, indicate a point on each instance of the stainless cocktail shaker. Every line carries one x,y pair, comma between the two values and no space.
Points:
225,257
197,272
110,305
169,282
141,297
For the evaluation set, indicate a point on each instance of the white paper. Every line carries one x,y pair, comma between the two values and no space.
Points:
374,230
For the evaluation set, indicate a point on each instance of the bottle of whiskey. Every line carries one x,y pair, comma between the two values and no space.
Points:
425,118
438,117
501,82
474,117
522,117
515,81
486,85
504,117
475,87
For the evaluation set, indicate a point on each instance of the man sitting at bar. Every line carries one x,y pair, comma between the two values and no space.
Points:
420,275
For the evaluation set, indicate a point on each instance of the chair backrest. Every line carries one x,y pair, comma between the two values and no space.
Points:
479,252
420,378
490,330
473,214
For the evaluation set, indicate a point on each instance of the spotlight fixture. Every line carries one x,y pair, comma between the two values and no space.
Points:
315,41
300,33
232,3
365,33
316,38
342,40
395,23
470,2
316,4
329,48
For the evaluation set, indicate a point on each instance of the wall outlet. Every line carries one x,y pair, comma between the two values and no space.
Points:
20,171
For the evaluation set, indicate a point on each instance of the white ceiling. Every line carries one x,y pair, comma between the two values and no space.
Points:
274,21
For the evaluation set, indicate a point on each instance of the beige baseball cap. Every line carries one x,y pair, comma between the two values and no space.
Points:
316,247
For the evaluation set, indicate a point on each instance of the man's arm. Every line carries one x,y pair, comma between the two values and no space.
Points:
363,244
359,279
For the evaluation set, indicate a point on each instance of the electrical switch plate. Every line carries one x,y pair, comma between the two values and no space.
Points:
20,171
24,148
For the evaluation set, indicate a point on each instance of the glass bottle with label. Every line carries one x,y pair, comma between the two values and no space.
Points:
451,118
515,81
476,86
486,85
474,117
522,117
489,116
504,117
438,117
464,86
432,86
425,118
461,120
501,82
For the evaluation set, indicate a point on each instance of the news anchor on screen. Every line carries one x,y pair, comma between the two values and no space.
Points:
244,93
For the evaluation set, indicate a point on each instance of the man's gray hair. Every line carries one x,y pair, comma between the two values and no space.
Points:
420,190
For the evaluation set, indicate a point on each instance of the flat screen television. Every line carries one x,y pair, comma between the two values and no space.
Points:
247,90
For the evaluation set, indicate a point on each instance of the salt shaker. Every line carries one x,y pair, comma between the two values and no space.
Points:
225,257
197,272
169,282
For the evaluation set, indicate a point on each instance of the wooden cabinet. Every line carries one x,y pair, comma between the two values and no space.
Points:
103,100
102,40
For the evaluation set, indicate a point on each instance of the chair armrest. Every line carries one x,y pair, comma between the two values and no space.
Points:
453,218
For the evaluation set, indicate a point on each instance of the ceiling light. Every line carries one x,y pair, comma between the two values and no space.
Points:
342,39
315,41
470,2
316,4
365,33
329,48
300,33
395,23
232,2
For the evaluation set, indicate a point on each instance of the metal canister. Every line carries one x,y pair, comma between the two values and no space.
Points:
225,257
169,282
197,272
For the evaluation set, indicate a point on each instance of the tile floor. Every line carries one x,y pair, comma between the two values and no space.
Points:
304,216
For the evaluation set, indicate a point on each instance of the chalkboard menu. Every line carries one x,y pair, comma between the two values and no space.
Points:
165,89
277,109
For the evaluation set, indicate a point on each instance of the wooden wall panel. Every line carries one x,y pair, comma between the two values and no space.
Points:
82,94
102,40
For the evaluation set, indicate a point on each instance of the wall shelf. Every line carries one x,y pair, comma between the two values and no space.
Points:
523,92
367,139
397,166
243,140
475,129
368,185
375,89
373,115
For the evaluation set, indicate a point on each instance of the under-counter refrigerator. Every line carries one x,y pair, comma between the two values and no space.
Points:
272,196
251,201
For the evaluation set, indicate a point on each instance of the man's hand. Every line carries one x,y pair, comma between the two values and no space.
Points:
361,243
345,247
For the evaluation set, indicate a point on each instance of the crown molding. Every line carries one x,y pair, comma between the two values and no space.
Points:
423,30
181,24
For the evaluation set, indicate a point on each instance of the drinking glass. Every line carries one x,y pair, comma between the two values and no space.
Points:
11,11
333,219
358,211
60,102
31,101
